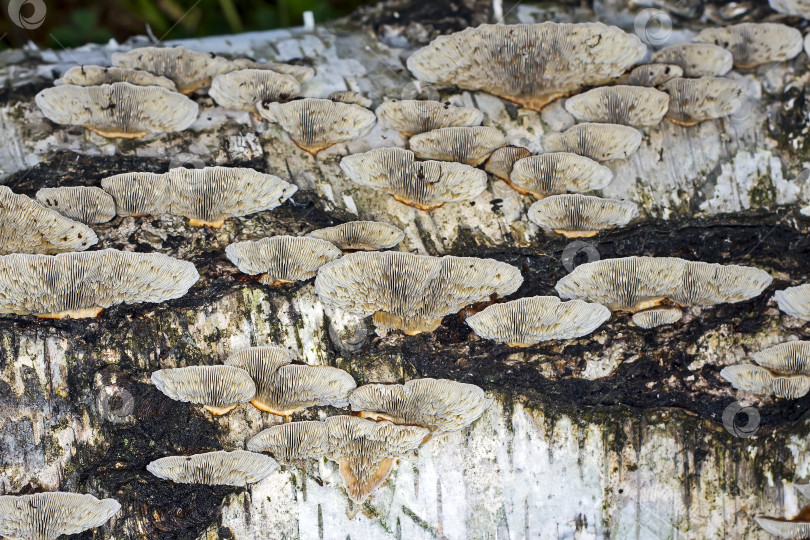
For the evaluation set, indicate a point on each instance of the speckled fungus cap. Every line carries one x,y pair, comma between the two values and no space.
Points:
241,90
655,317
441,405
361,235
29,227
581,216
365,450
46,516
555,173
528,321
785,528
217,388
350,97
422,184
283,388
502,160
695,100
653,74
315,124
85,204
753,44
791,357
119,109
237,468
282,259
411,292
530,64
82,284
697,59
301,73
637,283
98,75
206,196
602,142
469,145
411,116
636,106
759,380
189,70
293,441
795,301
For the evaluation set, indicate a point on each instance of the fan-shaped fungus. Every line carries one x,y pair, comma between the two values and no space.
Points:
98,75
752,44
217,388
282,259
655,317
351,98
696,59
292,441
795,301
361,236
411,117
692,101
581,216
241,90
85,204
558,172
502,160
46,516
653,74
602,142
238,468
469,145
636,106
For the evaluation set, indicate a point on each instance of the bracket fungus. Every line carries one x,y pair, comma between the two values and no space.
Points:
189,70
502,160
638,283
26,226
238,468
365,450
762,381
219,389
696,59
316,124
85,204
653,74
422,184
97,75
555,173
413,116
795,301
242,89
530,64
528,321
292,441
791,357
47,516
440,405
796,528
636,106
361,236
602,142
207,196
655,317
581,216
283,388
411,292
754,44
468,145
80,285
119,109
351,98
692,101
301,73
282,259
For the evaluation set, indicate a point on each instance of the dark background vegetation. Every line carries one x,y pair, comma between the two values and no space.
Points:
70,23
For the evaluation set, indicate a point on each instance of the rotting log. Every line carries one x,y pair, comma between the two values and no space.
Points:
617,434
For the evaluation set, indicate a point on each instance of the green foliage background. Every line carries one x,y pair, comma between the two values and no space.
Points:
70,23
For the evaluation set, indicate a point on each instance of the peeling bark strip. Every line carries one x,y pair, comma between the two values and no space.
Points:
616,434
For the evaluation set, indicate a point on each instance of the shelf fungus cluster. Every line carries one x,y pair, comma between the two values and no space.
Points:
238,468
530,64
90,75
468,145
282,259
581,216
528,321
316,124
635,106
119,109
47,516
637,284
502,161
219,389
361,236
80,285
795,301
555,173
207,196
754,44
27,226
412,117
408,292
600,142
283,388
423,184
90,205
782,371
